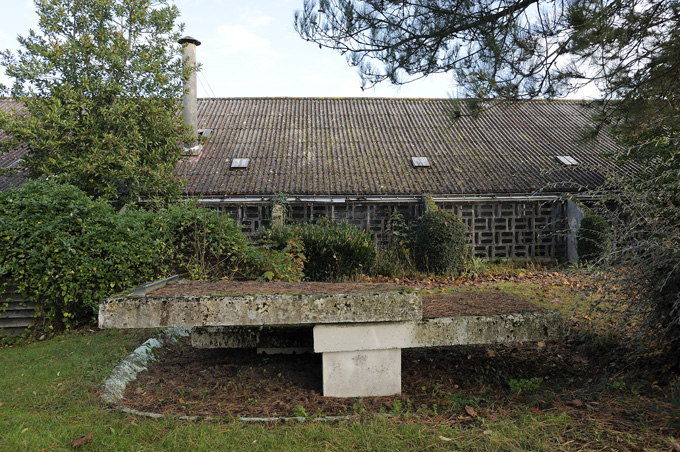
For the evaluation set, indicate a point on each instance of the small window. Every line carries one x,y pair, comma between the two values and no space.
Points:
567,160
420,162
239,163
204,132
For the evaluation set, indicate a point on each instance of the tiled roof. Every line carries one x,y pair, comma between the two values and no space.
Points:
365,147
307,146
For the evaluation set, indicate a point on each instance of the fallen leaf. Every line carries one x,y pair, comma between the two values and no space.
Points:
470,411
535,410
576,403
490,353
541,344
444,438
139,391
82,440
1,404
676,447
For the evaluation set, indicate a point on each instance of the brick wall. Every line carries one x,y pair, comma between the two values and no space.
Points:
503,229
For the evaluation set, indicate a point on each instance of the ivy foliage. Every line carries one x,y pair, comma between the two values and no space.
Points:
440,242
99,83
67,252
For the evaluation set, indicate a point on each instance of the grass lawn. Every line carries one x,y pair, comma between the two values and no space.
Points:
48,399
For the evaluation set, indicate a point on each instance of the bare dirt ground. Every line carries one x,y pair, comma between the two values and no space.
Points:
457,384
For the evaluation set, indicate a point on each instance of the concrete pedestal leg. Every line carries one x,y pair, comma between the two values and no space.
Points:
362,373
361,360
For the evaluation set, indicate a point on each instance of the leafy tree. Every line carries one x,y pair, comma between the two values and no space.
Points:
99,85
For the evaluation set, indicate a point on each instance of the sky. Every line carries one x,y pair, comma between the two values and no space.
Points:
250,49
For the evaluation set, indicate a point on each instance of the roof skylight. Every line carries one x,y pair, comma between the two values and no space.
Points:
420,162
239,163
567,160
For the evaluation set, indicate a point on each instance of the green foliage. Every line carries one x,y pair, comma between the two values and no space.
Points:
279,256
594,239
525,385
646,271
201,243
67,252
335,250
99,84
440,242
280,199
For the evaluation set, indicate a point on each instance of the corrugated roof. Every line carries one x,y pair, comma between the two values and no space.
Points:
312,146
364,147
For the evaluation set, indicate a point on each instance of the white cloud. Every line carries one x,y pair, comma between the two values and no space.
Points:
238,39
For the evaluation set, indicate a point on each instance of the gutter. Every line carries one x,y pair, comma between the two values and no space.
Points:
383,199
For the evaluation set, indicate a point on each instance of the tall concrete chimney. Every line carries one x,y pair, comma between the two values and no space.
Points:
189,101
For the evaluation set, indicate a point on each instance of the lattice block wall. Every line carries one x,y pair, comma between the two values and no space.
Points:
507,230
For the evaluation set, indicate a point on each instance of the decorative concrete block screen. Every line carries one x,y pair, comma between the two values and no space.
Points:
505,229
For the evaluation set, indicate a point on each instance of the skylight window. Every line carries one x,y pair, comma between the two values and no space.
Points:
204,132
567,160
420,162
239,163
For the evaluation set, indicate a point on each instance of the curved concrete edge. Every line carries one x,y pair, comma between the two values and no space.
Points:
113,388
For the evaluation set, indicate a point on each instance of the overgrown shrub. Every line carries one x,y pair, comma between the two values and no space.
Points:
440,242
279,255
67,252
644,276
594,239
335,250
202,243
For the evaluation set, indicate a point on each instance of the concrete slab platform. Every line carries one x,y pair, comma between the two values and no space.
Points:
441,332
265,309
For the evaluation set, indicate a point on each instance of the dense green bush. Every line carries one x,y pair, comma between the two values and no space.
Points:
440,242
201,243
67,252
335,250
279,255
594,239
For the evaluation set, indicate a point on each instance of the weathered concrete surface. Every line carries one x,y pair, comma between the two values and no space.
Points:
296,337
278,309
491,329
464,330
366,336
362,373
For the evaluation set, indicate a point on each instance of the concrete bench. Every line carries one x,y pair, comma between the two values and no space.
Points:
359,329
